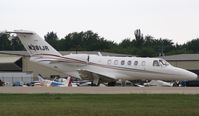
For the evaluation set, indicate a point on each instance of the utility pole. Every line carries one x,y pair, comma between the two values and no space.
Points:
162,47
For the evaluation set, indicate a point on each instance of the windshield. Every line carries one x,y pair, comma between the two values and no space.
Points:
163,62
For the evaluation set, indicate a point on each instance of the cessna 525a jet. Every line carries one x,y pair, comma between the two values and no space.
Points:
98,68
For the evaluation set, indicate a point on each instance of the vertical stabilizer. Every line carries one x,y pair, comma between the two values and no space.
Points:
69,81
34,44
43,81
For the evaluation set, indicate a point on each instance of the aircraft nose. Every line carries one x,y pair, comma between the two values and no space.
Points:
191,75
194,76
186,75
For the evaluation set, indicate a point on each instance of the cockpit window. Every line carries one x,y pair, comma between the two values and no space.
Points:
163,62
156,63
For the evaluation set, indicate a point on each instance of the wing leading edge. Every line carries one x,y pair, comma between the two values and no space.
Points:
87,74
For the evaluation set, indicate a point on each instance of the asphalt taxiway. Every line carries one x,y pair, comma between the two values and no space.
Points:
100,90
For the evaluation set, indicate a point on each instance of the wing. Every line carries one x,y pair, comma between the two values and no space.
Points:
105,76
69,62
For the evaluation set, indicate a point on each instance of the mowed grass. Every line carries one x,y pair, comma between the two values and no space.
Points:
98,105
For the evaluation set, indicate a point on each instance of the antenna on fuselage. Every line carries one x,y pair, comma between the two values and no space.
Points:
162,47
99,53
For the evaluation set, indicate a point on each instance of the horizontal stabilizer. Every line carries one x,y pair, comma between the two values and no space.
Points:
19,32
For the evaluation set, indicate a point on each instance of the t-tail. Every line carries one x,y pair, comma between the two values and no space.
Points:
33,43
69,81
41,80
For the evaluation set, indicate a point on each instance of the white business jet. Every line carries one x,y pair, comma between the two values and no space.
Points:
98,68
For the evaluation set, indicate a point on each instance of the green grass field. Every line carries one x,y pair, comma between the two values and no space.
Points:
98,105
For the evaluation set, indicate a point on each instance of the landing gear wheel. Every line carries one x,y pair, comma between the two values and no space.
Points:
112,83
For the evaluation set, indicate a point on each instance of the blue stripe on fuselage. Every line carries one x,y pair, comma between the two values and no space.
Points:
54,83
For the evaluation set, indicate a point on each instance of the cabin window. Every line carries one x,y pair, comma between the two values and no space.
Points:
129,62
156,63
109,62
136,63
116,62
143,63
122,62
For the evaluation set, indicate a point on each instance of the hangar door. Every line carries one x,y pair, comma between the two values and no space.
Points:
11,77
11,64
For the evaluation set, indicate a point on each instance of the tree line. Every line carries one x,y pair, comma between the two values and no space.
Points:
140,45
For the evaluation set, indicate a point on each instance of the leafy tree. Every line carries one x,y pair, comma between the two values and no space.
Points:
139,39
16,44
146,46
4,42
146,52
193,46
88,40
126,43
52,39
149,41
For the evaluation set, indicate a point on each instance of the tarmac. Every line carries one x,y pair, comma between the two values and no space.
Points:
100,90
